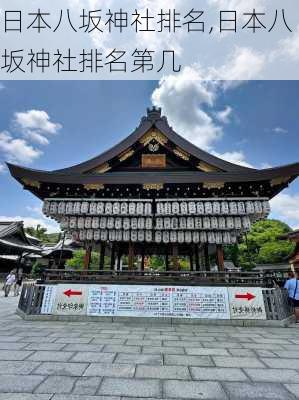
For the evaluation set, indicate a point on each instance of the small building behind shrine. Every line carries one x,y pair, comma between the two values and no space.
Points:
155,193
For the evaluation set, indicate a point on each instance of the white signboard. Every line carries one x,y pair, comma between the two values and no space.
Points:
71,300
48,299
158,301
246,303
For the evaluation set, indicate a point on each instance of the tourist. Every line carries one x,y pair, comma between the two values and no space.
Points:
292,287
18,284
10,280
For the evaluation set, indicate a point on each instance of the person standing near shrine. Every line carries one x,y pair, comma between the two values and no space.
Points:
292,286
10,280
18,284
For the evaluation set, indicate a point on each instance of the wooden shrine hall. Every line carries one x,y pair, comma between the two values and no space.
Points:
156,193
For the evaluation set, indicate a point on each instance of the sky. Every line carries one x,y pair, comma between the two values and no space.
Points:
54,124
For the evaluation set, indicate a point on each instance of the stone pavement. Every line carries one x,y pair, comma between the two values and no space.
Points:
44,360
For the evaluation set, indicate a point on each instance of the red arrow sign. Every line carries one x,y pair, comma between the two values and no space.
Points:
247,296
71,292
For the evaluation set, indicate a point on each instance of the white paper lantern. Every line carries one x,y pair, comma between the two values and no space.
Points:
203,237
84,207
46,207
140,208
183,223
174,223
266,207
89,234
167,223
224,207
218,237
197,223
159,223
53,208
181,237
214,222
93,208
118,223
175,208
160,208
69,208
104,235
184,208
81,223
134,223
211,237
116,208
195,237
188,237
73,223
173,236
124,208
64,224
95,223
233,208
75,236
100,208
246,222
167,208
103,222
88,222
148,223
126,224
192,207
241,208
190,223
132,208
97,235
208,207
126,236
230,223
140,236
141,223
249,206
119,235
82,235
226,238
221,223
165,237
238,223
110,223
206,223
61,207
216,207
147,209
77,208
111,235
148,236
158,236
108,208
200,208
258,207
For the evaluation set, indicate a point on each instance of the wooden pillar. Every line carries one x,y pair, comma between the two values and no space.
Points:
142,258
131,256
166,259
102,256
207,258
87,258
197,265
220,257
191,259
175,259
118,259
112,257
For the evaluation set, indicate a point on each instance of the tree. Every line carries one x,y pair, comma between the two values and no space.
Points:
77,261
262,245
41,233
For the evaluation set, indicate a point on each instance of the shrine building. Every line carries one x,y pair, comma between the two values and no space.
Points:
155,193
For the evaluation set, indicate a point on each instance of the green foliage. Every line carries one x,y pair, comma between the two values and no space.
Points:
77,262
37,270
157,263
262,245
41,233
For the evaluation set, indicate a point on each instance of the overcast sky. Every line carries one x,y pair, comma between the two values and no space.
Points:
51,125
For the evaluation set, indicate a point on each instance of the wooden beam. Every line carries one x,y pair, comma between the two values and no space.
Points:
112,257
175,259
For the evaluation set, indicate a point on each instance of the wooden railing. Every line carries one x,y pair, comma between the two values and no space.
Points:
203,278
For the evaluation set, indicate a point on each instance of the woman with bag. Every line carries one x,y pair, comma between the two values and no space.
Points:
292,286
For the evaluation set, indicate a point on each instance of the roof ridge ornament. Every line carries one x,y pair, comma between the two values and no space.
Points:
154,113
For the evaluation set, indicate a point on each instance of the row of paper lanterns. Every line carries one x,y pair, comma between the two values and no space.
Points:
210,237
